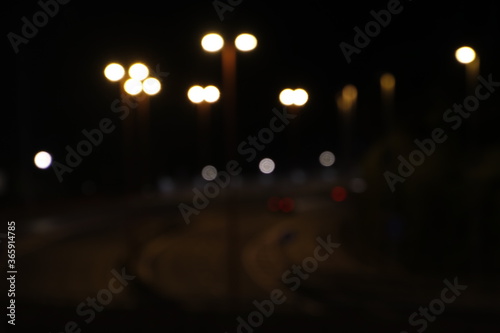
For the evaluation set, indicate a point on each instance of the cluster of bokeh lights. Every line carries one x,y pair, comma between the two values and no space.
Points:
138,80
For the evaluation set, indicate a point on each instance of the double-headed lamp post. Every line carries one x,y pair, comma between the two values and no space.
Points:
293,99
139,85
203,97
213,42
138,80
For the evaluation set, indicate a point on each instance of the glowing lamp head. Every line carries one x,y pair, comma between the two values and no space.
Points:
287,97
387,81
196,94
465,55
212,42
300,97
245,42
138,71
132,86
151,86
114,72
212,94
350,93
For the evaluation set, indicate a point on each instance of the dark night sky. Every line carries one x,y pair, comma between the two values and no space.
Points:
59,87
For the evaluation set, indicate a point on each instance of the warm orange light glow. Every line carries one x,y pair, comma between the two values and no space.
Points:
387,82
342,105
350,93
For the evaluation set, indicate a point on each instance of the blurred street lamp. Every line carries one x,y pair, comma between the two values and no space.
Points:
350,97
213,43
387,87
138,79
297,97
136,126
467,56
346,103
202,98
293,100
198,94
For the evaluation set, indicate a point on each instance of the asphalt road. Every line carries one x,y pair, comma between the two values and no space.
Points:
175,276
